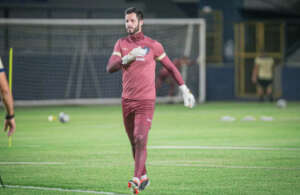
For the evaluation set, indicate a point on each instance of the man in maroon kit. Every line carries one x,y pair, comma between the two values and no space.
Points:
135,55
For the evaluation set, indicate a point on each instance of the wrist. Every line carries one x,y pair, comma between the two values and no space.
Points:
183,88
127,59
9,116
131,57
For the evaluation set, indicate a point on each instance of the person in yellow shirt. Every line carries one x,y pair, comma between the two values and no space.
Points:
262,76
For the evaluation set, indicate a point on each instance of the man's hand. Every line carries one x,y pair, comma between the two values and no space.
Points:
10,125
128,59
188,98
138,51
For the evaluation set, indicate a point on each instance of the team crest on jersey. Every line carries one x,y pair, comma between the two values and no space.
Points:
147,49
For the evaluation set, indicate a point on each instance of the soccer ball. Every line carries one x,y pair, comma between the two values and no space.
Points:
281,103
64,118
50,118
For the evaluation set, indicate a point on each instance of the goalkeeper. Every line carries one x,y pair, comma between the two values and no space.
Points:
135,55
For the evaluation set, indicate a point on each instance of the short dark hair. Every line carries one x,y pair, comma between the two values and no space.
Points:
139,13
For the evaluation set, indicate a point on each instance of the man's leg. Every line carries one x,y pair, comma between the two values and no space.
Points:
128,120
140,140
143,121
270,92
144,172
260,92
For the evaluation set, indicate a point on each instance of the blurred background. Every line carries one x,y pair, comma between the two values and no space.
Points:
60,62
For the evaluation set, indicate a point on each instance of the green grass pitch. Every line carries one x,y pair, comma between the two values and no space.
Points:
92,151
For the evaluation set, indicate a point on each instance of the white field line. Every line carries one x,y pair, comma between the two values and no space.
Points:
223,166
223,148
31,163
32,146
60,190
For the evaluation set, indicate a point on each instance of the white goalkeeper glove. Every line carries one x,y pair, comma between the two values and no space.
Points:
188,98
138,51
127,59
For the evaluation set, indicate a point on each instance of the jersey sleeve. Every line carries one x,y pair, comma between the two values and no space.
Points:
117,49
159,52
168,64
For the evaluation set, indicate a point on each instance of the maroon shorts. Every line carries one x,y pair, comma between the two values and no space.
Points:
137,116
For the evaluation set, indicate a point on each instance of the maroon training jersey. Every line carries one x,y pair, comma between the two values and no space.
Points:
164,72
139,77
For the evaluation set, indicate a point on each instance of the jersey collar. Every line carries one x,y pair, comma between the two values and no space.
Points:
137,36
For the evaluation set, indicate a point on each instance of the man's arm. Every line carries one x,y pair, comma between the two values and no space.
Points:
254,73
168,64
188,97
159,54
115,61
7,99
114,64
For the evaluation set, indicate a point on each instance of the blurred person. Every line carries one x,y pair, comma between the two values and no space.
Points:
165,76
262,76
9,123
135,55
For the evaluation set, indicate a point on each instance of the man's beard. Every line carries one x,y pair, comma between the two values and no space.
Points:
136,29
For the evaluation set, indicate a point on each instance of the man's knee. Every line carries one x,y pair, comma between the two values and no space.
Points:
260,90
140,140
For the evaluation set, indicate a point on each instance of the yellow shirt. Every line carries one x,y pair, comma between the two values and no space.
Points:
265,67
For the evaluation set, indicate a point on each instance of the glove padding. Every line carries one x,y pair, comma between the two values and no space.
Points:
138,51
131,56
127,59
188,97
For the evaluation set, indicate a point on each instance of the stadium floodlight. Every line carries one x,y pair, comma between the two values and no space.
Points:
63,61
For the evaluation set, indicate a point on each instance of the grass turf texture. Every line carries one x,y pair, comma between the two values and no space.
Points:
94,152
